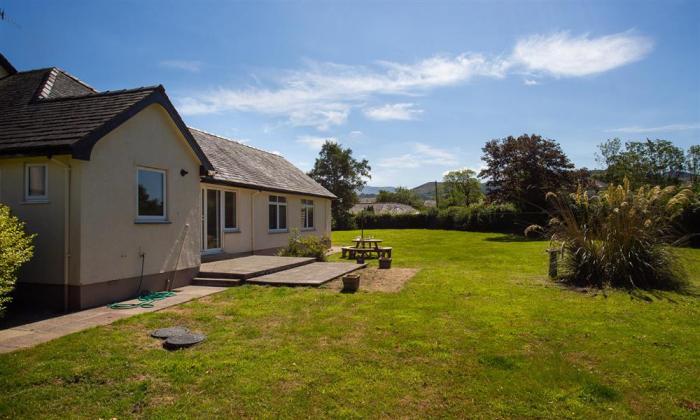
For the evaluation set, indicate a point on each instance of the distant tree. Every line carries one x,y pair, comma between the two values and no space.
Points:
657,162
523,169
692,162
341,174
460,188
400,195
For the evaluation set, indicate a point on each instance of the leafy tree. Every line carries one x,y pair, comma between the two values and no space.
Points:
692,163
461,188
657,162
341,174
400,195
523,169
15,249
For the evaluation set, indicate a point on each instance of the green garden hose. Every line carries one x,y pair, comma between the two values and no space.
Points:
145,301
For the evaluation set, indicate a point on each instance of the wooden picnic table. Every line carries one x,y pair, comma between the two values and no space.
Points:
367,243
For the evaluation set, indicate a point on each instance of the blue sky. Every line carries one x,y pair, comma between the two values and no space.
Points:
417,88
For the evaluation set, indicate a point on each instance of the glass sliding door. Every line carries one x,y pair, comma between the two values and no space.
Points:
211,220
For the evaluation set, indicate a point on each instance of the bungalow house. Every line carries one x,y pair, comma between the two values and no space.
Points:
118,188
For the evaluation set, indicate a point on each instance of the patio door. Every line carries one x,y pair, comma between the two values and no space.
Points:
211,220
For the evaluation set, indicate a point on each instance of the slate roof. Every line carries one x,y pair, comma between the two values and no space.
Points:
244,166
49,112
384,208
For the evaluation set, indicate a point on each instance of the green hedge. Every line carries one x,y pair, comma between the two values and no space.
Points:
479,218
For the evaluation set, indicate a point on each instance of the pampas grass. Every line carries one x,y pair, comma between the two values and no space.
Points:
620,237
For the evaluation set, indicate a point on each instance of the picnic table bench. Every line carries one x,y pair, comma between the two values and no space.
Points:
366,247
352,252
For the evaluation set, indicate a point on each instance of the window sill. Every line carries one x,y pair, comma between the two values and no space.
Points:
311,229
232,230
275,231
42,201
151,222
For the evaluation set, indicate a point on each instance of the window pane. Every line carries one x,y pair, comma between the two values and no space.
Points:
151,193
283,217
37,181
303,216
273,199
310,214
282,199
230,209
273,216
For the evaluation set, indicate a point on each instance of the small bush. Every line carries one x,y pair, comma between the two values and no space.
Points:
15,249
621,237
305,246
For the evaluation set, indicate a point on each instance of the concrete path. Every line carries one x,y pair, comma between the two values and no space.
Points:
29,335
251,266
314,274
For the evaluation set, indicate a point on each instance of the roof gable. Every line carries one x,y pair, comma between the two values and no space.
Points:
47,111
7,66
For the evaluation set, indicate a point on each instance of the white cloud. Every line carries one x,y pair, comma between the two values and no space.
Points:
313,142
193,66
355,133
421,155
562,55
530,82
323,95
400,111
669,127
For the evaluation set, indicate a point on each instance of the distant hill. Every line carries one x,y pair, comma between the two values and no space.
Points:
426,191
369,191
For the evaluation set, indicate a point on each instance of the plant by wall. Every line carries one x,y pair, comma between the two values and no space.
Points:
15,249
305,246
621,237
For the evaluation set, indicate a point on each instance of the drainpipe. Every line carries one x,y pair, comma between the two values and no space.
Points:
252,221
66,230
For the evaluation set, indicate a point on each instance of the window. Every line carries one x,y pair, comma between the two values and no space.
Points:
36,182
307,214
278,213
151,194
230,210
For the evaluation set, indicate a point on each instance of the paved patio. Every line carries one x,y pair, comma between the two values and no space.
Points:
29,335
314,274
251,266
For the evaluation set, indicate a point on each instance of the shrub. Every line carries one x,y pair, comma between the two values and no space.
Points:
305,246
15,249
477,217
621,237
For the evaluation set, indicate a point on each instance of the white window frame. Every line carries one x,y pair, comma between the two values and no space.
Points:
36,198
235,227
305,206
279,205
147,218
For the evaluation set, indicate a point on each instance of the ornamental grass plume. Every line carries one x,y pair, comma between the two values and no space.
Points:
619,237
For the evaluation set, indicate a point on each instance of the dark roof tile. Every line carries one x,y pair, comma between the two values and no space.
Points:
246,166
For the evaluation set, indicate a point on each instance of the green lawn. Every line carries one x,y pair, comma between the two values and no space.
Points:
479,332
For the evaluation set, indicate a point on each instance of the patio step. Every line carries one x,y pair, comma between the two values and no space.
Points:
244,268
216,282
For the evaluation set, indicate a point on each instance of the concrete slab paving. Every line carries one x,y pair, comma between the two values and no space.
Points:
250,266
314,274
29,335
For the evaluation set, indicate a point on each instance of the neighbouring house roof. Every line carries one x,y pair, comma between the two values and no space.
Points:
384,208
49,112
244,166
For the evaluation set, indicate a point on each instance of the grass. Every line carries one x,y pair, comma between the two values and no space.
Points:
479,332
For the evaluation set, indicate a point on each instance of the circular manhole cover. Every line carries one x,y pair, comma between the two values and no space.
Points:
181,341
169,332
